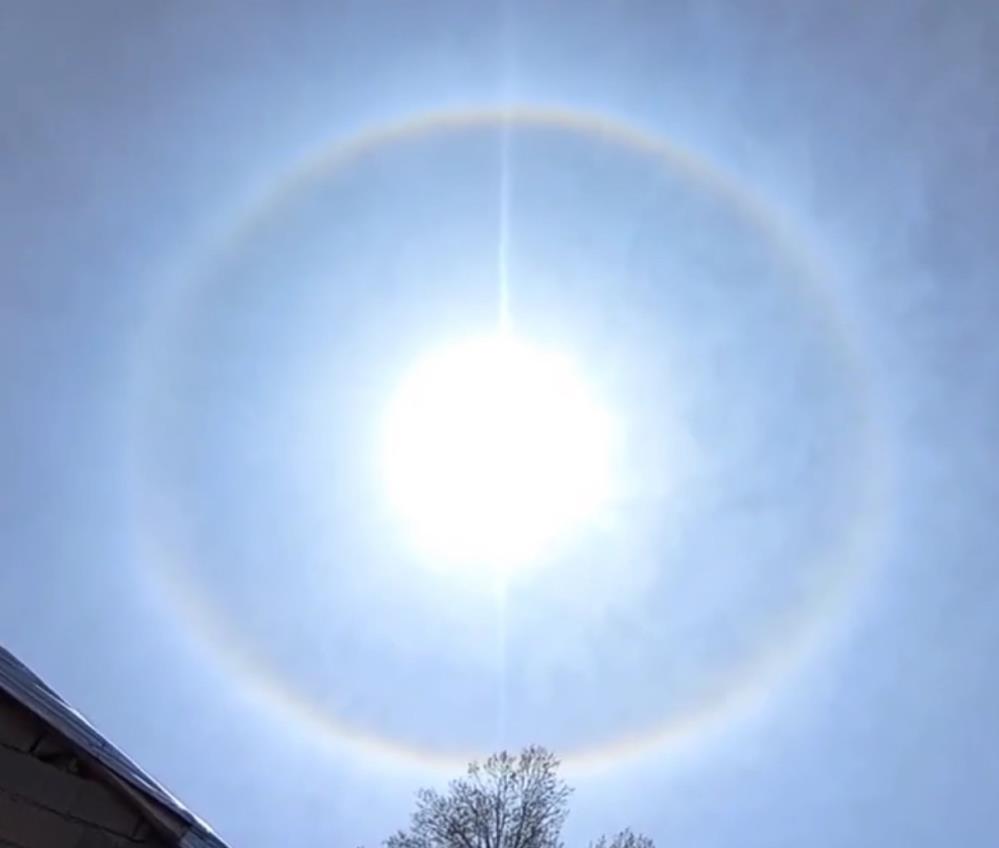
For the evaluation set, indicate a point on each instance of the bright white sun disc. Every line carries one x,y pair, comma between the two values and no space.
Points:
494,451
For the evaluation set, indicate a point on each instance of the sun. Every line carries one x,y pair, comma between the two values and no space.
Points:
494,451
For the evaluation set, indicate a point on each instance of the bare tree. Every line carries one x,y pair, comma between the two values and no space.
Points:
507,802
625,839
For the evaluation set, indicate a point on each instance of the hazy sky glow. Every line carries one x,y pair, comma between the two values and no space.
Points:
737,262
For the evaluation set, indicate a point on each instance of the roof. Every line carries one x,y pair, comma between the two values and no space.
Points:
32,693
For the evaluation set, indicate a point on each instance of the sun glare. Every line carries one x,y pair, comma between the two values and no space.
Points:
495,450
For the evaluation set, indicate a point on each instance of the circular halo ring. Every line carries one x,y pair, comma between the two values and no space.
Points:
851,562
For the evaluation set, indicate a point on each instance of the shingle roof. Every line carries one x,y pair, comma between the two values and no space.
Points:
29,690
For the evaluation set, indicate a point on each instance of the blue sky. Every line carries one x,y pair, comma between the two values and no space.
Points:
790,611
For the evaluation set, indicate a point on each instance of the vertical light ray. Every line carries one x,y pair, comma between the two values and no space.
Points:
505,182
502,681
503,236
503,284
